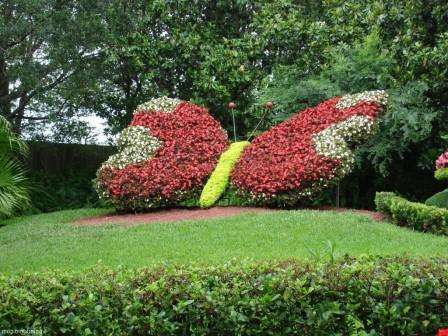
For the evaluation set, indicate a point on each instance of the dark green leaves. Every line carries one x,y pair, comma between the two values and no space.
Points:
369,296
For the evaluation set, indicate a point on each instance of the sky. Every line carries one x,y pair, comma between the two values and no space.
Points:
99,124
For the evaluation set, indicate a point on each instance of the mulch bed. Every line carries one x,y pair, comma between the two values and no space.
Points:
177,215
167,215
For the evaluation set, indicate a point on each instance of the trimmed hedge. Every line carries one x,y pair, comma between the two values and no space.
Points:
439,200
369,296
61,174
219,179
417,216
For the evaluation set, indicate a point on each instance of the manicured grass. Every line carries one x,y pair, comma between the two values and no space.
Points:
49,241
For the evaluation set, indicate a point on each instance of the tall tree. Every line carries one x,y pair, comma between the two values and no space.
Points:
189,49
43,43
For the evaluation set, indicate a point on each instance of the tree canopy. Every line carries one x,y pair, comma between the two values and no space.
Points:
60,60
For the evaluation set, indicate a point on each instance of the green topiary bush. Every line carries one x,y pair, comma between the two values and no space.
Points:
439,200
417,216
219,180
441,174
369,296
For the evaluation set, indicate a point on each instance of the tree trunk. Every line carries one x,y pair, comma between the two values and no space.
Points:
5,101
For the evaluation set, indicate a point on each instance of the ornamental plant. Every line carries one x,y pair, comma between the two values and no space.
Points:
165,156
296,159
365,296
219,180
440,199
442,167
171,148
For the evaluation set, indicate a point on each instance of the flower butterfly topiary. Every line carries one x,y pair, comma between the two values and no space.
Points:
171,148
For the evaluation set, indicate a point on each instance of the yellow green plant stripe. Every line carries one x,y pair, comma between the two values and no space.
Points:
441,174
219,179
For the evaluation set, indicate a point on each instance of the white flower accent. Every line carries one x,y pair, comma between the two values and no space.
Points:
335,141
375,96
135,145
162,104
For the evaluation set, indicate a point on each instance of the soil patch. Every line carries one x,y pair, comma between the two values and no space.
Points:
167,215
177,215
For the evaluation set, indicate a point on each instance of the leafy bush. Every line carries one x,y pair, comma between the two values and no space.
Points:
14,194
168,164
301,156
439,200
219,180
413,215
369,296
61,174
441,174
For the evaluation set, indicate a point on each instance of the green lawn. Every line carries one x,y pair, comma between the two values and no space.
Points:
49,241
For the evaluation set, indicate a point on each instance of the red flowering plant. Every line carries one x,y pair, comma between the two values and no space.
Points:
165,156
442,167
171,147
442,332
299,157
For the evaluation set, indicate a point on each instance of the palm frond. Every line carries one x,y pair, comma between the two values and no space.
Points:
9,141
13,186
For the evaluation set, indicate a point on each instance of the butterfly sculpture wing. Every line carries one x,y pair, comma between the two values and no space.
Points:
304,154
165,156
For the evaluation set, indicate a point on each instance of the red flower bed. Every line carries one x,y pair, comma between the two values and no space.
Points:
192,142
284,158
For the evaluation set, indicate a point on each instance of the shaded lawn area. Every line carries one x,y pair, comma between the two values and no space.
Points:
50,241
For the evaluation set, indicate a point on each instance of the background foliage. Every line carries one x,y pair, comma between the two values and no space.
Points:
60,61
13,181
61,174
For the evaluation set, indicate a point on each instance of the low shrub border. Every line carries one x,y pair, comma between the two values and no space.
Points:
418,216
219,180
439,200
367,296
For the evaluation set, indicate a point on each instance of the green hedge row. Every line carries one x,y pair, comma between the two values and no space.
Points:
418,216
61,174
369,296
439,200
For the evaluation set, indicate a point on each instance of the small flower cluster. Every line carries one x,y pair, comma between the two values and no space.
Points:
376,96
190,142
442,167
135,145
442,161
301,156
162,104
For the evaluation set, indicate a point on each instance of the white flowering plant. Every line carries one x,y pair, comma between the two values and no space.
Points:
161,104
375,96
135,145
336,140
